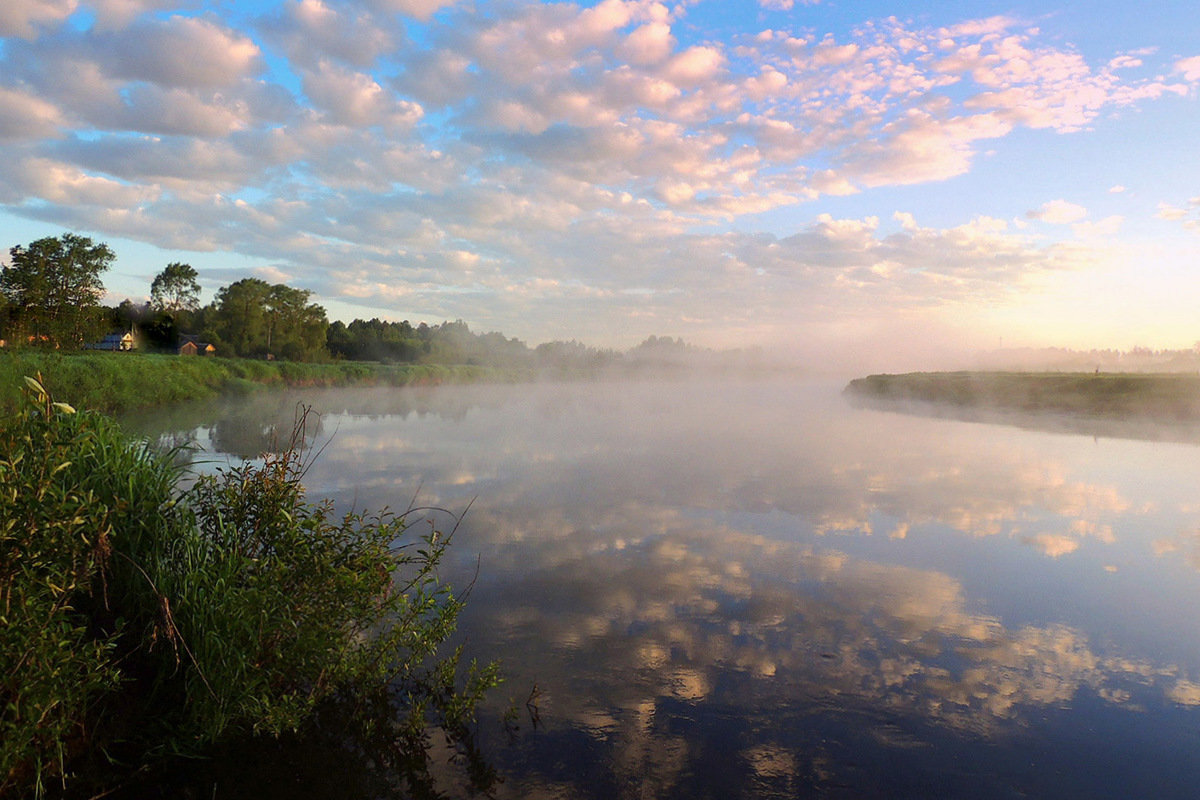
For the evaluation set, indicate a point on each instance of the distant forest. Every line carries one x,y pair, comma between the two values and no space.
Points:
50,297
1060,359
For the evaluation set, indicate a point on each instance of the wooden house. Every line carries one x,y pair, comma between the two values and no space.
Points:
117,342
192,346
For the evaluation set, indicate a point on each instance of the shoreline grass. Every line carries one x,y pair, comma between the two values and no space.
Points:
1161,397
119,382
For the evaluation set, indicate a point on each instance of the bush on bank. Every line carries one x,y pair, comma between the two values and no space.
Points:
141,622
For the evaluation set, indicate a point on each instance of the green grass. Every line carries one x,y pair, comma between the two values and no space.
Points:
140,621
1161,397
119,382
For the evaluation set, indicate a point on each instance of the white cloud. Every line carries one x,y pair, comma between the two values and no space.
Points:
1058,212
1188,217
61,183
651,43
420,9
1053,545
185,52
1171,213
25,116
116,14
1189,68
25,17
310,30
355,99
1107,227
921,148
694,66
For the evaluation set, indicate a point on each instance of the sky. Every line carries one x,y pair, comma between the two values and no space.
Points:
822,175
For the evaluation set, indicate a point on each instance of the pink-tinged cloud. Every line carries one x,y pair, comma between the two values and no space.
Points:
694,66
24,18
116,14
62,183
1189,68
312,30
921,148
180,52
1058,212
25,116
420,9
354,98
1171,213
651,43
1053,545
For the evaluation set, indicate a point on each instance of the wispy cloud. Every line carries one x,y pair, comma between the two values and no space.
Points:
1187,215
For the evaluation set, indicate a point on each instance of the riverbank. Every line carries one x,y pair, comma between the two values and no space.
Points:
144,622
1164,397
120,382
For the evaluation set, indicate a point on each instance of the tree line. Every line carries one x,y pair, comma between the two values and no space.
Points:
50,297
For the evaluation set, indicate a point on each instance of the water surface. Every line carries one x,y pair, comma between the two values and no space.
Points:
753,589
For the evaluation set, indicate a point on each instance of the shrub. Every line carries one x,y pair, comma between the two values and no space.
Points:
141,622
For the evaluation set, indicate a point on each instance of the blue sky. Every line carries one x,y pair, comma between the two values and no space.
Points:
836,176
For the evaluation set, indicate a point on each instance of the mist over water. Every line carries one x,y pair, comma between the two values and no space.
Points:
753,588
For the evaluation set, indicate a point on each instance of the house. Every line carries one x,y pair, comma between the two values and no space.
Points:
192,346
118,342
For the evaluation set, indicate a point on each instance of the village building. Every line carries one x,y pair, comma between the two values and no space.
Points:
117,342
192,346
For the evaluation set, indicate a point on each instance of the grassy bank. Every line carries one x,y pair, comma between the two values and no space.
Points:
1157,397
142,622
112,382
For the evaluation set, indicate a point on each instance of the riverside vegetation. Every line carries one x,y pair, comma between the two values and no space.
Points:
142,621
112,382
1171,397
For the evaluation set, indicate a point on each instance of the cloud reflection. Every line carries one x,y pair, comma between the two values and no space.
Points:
755,568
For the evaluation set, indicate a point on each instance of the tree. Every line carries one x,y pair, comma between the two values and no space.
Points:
54,288
175,289
238,319
252,318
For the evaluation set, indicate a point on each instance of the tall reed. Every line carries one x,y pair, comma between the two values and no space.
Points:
141,621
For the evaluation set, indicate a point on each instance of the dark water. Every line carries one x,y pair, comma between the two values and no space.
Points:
711,589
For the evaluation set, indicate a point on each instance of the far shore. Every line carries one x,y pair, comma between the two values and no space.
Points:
1123,404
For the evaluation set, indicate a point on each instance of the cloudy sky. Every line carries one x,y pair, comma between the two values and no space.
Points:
825,172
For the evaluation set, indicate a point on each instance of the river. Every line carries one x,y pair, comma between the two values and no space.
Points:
717,589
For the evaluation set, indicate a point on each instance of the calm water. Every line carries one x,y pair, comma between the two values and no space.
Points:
713,589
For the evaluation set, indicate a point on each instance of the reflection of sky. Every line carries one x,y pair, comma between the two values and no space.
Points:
676,563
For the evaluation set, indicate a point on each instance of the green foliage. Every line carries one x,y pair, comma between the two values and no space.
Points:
295,327
253,318
77,505
139,622
53,288
122,382
376,340
175,289
447,343
238,317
